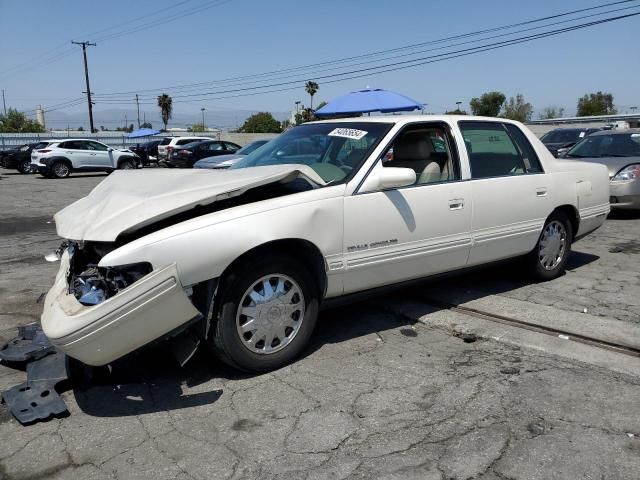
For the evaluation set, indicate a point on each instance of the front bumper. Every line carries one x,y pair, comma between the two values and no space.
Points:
141,313
625,194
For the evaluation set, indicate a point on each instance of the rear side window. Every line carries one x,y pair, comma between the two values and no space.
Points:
527,152
184,141
165,141
492,151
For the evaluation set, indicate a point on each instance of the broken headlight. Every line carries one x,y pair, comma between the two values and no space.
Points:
95,284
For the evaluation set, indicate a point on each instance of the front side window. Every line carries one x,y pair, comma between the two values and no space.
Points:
491,151
97,146
335,150
424,148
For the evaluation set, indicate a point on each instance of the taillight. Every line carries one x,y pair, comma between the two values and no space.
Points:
44,151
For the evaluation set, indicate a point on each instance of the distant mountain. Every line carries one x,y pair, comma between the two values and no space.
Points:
113,118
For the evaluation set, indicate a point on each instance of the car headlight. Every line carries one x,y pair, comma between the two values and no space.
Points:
630,172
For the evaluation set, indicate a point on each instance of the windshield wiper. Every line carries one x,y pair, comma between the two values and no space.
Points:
573,155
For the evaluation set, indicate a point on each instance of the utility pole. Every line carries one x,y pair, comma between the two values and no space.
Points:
202,110
86,77
3,103
138,106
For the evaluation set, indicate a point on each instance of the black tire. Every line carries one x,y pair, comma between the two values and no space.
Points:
225,338
544,268
24,166
60,169
127,164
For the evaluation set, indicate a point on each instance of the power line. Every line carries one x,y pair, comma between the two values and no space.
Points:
377,53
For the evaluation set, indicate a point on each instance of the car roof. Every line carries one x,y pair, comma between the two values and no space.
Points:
402,119
626,131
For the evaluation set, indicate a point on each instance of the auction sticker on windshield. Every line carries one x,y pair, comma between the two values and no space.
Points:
347,133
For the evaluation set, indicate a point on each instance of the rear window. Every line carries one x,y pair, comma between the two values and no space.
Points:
165,141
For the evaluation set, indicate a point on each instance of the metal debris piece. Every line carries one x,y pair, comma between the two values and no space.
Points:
30,344
37,398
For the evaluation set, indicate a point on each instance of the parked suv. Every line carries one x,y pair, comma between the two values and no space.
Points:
169,144
20,157
61,157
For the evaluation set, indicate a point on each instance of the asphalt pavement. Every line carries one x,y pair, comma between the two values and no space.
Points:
400,386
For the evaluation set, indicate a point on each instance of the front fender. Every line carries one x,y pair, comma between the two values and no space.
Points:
203,247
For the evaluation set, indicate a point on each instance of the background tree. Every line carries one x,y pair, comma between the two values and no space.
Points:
16,122
80,128
488,105
262,122
551,112
198,127
596,104
146,125
517,109
312,88
166,108
457,111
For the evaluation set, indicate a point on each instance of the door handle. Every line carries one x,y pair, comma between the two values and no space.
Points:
456,204
541,192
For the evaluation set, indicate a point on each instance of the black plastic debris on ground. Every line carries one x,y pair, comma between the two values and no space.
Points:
37,398
30,344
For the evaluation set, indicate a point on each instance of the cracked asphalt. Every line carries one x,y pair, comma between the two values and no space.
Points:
378,394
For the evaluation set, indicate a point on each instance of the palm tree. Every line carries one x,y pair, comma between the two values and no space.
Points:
165,103
311,87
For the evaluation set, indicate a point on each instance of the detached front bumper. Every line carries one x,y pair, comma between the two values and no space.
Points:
141,313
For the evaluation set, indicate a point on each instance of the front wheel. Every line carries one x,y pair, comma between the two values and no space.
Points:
268,310
549,258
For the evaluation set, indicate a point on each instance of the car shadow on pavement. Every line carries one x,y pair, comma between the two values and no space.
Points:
151,380
624,215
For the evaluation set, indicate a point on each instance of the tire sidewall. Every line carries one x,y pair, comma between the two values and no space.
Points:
540,272
225,333
126,161
53,169
21,166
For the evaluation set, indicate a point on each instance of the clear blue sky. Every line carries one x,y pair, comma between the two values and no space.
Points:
242,37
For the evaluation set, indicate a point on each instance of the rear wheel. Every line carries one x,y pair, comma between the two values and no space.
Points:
268,310
60,169
549,258
126,165
24,166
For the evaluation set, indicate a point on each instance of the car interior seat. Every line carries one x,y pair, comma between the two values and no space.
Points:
414,150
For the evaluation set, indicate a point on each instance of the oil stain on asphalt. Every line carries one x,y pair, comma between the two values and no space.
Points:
17,225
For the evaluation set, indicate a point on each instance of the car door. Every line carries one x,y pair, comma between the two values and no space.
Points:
511,193
73,150
414,231
214,149
99,154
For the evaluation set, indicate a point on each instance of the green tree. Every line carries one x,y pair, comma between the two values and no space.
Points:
312,88
80,128
166,108
551,112
16,122
517,109
198,127
262,122
457,111
488,105
596,104
146,125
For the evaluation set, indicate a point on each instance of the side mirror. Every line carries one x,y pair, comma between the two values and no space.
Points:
109,149
382,178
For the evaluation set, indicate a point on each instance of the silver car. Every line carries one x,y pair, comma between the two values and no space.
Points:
225,161
619,150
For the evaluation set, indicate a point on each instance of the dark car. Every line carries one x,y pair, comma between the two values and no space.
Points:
19,158
187,155
565,138
148,151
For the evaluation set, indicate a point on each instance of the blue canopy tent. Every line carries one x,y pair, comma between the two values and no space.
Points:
368,100
143,132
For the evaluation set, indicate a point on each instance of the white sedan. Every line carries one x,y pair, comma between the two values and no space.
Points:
242,259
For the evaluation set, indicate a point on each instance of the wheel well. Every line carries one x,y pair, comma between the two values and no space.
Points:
574,217
122,159
53,160
303,250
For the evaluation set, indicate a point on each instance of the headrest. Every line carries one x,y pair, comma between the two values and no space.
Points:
412,146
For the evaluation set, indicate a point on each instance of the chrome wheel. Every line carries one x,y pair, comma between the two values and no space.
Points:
270,314
61,169
553,245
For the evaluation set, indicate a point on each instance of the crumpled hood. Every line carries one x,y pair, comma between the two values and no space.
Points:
129,200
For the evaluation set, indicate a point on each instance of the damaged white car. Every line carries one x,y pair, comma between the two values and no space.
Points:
242,259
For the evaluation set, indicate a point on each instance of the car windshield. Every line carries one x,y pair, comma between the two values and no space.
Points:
563,136
247,149
613,145
334,150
